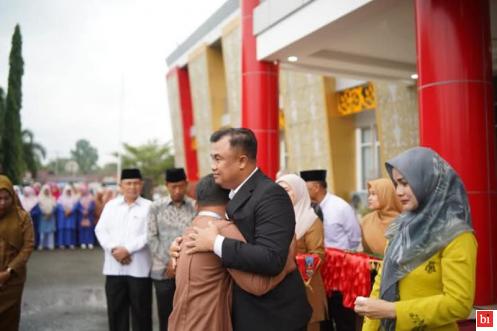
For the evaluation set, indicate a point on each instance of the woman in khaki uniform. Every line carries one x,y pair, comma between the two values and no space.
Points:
16,244
310,237
385,207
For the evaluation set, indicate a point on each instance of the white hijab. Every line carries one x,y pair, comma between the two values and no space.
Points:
47,201
30,200
304,214
68,198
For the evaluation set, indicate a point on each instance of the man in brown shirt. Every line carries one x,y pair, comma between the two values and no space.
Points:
203,286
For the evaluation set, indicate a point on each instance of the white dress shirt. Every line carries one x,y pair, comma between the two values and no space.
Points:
125,225
218,242
341,228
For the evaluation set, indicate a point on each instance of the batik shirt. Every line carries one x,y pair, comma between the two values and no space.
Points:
166,221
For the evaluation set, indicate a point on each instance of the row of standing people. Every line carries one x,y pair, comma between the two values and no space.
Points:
64,220
167,218
134,232
421,224
261,214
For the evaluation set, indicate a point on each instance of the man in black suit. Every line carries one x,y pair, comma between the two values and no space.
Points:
264,214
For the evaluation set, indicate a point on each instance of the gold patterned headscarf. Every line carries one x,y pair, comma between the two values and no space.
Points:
10,223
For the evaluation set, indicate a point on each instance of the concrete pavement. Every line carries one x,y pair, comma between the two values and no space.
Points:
65,291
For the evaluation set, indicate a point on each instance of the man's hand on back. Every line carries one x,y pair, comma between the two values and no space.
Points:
202,240
174,250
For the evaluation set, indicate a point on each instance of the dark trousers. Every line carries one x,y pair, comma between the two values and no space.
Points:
344,318
164,293
125,293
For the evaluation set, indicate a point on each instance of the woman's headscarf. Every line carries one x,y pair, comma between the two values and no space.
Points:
18,191
86,198
29,200
10,223
108,195
442,214
55,190
47,201
376,222
304,214
68,201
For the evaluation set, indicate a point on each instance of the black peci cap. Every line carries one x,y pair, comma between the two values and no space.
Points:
317,175
174,175
131,173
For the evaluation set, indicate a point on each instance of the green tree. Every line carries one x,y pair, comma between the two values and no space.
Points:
85,155
57,166
2,124
152,158
108,169
33,152
13,163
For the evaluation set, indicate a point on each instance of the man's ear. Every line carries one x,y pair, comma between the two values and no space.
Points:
243,159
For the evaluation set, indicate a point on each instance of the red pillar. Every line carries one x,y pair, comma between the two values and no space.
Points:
259,95
186,109
456,115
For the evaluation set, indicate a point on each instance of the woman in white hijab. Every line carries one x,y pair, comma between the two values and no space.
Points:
46,225
86,217
427,281
67,206
310,240
29,201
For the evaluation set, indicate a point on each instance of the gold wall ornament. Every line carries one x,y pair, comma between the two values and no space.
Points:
281,120
356,99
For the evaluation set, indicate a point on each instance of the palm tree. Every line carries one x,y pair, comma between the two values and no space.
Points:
152,158
33,152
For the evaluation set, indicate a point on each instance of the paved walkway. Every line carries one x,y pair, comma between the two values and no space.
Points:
64,291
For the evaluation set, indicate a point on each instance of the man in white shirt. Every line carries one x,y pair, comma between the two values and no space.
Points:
341,230
122,233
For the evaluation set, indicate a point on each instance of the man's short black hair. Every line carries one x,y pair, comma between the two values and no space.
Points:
241,138
211,194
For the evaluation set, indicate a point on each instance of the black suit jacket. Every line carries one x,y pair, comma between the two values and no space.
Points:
264,214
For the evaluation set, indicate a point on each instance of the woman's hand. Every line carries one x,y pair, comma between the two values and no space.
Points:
4,277
374,308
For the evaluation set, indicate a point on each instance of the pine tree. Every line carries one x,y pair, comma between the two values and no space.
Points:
2,123
13,163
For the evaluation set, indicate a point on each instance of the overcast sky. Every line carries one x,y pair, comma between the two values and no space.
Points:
87,60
